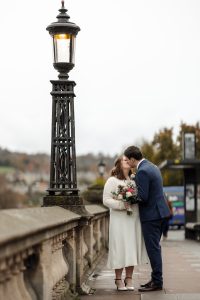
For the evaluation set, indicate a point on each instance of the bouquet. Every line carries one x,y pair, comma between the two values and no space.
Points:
127,193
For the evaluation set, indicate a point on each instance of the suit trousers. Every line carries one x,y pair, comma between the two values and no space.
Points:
152,232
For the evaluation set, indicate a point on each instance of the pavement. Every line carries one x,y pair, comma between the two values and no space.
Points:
181,274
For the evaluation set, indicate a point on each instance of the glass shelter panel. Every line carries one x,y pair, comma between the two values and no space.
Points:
190,197
188,146
198,202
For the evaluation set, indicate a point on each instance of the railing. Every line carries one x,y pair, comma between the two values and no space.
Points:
48,253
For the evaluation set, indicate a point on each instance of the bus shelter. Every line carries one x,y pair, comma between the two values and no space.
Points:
191,171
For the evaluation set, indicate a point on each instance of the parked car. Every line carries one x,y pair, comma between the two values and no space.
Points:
175,194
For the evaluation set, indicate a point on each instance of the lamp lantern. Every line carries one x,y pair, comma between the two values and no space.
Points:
101,167
63,33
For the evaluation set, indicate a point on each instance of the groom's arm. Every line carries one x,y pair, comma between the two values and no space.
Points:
143,185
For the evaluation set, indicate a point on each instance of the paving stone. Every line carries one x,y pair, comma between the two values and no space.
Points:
112,297
158,296
188,297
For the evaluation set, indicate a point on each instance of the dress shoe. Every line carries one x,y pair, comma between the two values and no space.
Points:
146,284
129,287
123,288
150,288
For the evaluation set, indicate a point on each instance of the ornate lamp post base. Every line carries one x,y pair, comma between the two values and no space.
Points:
62,200
63,189
70,202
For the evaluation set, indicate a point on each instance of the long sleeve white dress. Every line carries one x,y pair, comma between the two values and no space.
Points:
126,244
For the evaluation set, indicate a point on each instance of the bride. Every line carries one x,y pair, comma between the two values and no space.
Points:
126,245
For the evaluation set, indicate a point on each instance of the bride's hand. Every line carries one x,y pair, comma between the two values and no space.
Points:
127,205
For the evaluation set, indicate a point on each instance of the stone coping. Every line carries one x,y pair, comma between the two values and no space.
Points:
96,209
18,223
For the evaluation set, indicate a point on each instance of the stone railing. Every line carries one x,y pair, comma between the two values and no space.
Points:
48,253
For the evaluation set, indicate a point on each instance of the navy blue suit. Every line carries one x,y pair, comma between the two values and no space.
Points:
153,211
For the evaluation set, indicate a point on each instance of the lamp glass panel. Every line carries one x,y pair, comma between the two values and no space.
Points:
63,47
101,169
73,45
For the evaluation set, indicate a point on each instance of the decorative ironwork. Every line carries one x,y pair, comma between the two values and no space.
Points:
63,16
63,154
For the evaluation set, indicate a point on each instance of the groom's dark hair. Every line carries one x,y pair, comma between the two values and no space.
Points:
133,152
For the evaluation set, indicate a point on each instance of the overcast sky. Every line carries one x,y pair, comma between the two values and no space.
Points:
137,70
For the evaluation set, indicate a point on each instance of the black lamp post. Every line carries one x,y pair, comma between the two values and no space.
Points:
101,168
63,182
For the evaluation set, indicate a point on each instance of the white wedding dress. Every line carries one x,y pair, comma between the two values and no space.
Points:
126,244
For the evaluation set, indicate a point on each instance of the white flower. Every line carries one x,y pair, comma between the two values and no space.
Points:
128,194
132,176
120,197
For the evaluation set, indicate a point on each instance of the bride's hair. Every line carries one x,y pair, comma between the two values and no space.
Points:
117,171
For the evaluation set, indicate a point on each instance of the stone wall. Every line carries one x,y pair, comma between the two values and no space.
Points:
48,253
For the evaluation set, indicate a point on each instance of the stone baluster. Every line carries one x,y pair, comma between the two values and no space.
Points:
69,252
59,267
103,230
12,284
81,287
39,271
106,231
90,241
85,251
97,235
79,257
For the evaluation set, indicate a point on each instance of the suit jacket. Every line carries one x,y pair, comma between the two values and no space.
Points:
150,190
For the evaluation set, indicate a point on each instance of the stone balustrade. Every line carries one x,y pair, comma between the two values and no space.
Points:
49,252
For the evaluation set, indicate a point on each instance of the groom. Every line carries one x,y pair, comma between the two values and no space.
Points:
153,211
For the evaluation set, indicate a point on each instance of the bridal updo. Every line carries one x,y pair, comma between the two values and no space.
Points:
117,171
